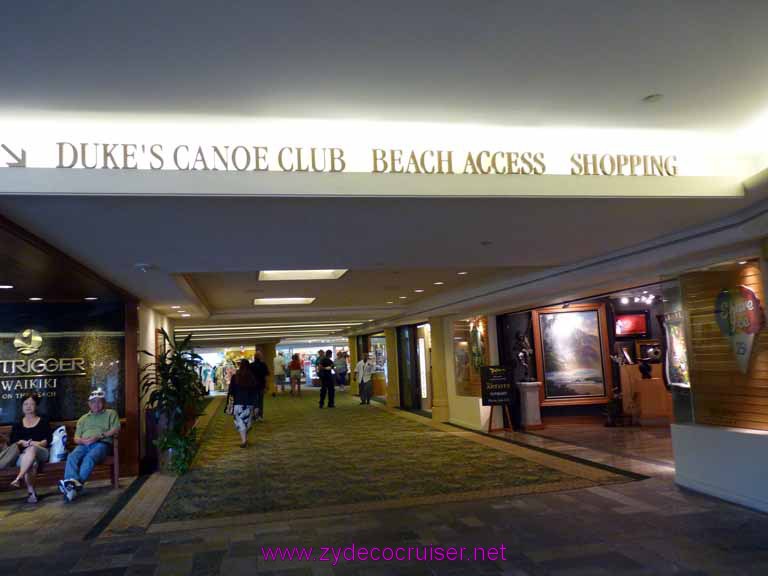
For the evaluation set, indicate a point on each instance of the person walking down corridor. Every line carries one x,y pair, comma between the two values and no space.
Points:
364,376
244,392
341,367
260,372
278,369
325,372
295,370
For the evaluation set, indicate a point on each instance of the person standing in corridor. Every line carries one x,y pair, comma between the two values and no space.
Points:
295,370
260,372
278,369
364,376
341,367
325,372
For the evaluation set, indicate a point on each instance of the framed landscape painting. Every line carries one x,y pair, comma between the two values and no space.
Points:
571,354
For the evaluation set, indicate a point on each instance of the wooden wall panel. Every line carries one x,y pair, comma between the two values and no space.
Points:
722,395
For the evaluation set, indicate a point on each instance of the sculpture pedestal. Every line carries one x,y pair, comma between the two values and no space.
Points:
530,412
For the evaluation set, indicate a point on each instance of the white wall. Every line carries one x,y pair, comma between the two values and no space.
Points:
149,321
729,463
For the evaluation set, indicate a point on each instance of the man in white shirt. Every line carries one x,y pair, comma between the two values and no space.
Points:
278,366
364,375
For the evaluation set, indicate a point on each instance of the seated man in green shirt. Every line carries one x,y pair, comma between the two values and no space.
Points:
93,436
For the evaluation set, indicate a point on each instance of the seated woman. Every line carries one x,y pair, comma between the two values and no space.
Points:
32,435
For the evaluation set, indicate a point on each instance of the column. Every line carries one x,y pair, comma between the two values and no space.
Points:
353,360
440,410
393,374
268,353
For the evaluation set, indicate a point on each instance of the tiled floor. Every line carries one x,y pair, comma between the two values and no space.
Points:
646,527
644,450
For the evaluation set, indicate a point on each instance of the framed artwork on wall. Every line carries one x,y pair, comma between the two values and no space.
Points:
648,350
571,354
632,324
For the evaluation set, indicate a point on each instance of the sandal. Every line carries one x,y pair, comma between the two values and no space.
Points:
32,498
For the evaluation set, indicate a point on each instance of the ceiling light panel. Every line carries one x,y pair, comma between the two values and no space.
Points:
282,301
226,327
238,337
249,333
273,275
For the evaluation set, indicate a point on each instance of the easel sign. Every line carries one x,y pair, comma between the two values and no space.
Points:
498,389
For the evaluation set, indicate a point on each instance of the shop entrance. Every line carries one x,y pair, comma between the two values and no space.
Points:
609,368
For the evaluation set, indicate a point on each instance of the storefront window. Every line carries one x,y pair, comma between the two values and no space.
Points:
470,353
378,347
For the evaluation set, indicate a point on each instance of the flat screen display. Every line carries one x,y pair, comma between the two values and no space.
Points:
632,324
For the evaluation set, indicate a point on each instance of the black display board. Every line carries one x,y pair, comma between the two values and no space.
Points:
497,385
62,352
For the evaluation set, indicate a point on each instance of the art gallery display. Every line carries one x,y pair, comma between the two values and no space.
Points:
571,354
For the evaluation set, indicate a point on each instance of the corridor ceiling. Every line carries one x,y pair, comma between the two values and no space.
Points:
551,62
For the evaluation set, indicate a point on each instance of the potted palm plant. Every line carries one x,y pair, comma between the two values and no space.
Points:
174,395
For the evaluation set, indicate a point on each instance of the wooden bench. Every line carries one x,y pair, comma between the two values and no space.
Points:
50,474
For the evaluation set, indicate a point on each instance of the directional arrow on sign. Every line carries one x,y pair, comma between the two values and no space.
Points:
18,161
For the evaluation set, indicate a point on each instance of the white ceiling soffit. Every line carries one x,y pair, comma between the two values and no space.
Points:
735,238
218,236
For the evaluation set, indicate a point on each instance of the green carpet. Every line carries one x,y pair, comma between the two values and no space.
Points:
303,457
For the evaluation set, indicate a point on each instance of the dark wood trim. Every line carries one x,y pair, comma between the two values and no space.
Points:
132,438
607,369
37,242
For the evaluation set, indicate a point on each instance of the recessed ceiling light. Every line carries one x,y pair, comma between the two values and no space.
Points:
742,262
653,98
272,275
403,297
645,291
438,283
90,298
143,266
462,273
390,302
281,301
186,315
6,287
625,300
370,320
35,299
175,307
419,290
